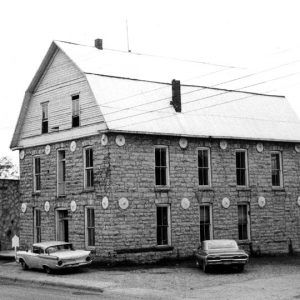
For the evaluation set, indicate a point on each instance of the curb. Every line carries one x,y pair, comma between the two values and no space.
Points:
53,284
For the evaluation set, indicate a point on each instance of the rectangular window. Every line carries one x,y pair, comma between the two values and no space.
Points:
243,222
37,225
75,111
161,166
45,117
241,168
61,172
88,168
36,174
204,167
276,165
205,223
163,225
90,226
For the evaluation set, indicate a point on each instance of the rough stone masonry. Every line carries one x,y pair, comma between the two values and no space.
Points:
128,171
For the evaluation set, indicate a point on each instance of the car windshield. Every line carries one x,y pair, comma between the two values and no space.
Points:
222,244
57,248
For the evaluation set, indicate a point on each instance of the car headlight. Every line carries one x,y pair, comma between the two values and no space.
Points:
60,262
88,258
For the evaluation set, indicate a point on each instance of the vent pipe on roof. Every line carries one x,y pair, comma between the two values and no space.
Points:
176,95
99,44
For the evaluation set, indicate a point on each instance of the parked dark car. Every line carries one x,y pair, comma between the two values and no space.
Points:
220,252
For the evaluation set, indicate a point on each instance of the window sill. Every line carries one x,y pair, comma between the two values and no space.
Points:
278,189
88,190
145,249
243,188
61,196
162,188
205,188
244,242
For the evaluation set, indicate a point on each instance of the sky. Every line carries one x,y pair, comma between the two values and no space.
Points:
255,40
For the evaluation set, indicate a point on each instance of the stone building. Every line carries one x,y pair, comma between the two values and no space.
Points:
119,157
9,211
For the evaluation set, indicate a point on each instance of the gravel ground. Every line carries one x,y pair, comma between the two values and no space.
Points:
263,278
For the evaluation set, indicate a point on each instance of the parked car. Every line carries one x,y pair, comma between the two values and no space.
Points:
220,252
53,256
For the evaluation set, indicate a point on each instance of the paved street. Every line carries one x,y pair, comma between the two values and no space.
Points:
264,278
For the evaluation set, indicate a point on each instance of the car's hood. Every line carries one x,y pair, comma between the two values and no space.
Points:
71,254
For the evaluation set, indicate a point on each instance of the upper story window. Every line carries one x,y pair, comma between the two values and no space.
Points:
276,165
61,172
241,168
161,166
88,168
204,172
75,111
36,174
45,117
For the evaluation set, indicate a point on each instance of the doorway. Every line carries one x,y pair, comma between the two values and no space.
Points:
62,225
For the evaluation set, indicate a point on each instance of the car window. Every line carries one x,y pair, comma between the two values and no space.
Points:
36,250
222,244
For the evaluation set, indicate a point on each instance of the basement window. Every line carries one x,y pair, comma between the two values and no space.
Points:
75,111
45,117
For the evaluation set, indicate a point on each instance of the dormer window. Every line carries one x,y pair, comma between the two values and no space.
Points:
75,111
45,117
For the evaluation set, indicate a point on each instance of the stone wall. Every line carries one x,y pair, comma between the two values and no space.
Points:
128,171
9,212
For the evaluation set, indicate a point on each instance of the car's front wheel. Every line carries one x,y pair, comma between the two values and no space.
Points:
240,268
47,270
24,265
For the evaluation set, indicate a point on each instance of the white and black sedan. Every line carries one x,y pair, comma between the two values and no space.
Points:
53,256
220,252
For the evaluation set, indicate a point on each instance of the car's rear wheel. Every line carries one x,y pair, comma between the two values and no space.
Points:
204,267
240,268
24,265
47,270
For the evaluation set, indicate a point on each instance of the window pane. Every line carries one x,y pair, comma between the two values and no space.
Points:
242,222
203,167
276,171
204,222
162,225
241,168
161,166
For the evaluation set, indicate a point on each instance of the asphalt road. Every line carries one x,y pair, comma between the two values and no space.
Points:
15,291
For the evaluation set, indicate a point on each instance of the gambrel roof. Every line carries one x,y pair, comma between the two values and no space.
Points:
134,91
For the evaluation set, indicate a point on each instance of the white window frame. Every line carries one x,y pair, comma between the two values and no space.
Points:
280,170
76,115
57,175
34,225
45,105
210,220
35,190
248,221
86,227
246,168
167,165
169,224
209,166
89,168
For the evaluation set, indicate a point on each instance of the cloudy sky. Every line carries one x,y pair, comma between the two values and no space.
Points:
259,38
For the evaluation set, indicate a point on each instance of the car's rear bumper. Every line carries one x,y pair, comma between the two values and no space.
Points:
227,262
73,265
